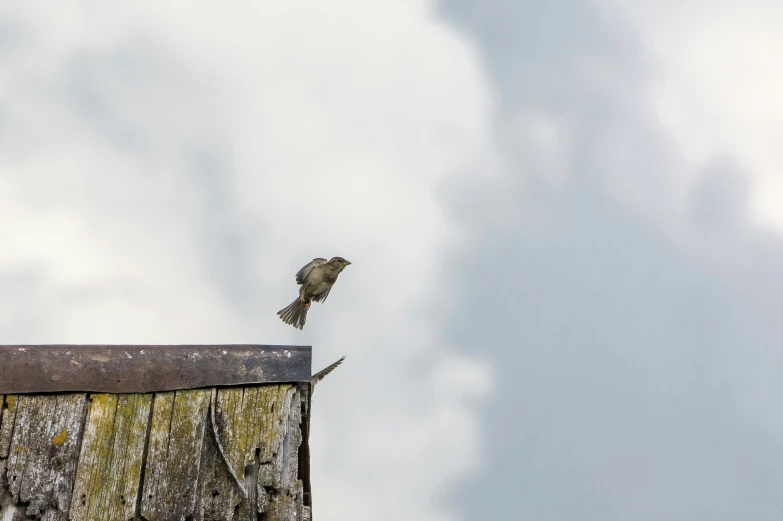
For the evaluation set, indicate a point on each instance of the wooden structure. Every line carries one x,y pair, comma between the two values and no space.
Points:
154,433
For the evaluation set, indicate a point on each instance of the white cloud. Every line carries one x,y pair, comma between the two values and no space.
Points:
719,86
166,169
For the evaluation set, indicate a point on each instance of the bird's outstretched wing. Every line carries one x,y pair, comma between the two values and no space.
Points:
302,274
322,296
317,377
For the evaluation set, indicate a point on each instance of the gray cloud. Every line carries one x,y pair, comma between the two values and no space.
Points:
633,367
635,364
165,176
719,202
149,106
616,398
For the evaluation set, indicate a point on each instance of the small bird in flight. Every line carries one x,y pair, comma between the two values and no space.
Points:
316,279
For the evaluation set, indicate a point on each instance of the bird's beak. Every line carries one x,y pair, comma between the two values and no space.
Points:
347,262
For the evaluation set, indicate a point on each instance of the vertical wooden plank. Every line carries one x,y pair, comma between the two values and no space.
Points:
253,428
109,471
157,453
186,477
65,439
218,493
7,424
95,454
188,424
133,415
42,455
259,429
18,450
232,434
34,419
3,451
42,422
174,456
7,506
284,489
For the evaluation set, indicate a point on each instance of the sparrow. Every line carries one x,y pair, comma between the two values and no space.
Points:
316,279
317,377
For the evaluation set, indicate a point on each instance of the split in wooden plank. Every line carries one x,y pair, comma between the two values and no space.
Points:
258,428
218,495
146,456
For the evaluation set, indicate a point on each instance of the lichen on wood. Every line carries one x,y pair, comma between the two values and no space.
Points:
263,450
176,438
150,457
40,473
109,473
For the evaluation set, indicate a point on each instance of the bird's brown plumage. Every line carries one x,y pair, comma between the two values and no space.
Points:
316,280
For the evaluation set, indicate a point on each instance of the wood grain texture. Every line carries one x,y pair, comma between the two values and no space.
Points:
7,424
7,418
153,457
110,464
43,453
262,453
64,440
284,488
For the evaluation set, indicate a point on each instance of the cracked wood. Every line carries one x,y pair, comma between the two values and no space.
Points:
154,457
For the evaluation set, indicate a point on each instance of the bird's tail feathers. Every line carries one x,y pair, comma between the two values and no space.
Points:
294,314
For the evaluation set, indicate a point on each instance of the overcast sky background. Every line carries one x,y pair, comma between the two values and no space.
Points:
564,221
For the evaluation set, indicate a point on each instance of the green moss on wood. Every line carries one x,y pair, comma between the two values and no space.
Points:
164,444
107,482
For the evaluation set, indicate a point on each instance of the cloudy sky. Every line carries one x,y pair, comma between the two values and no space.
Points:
564,220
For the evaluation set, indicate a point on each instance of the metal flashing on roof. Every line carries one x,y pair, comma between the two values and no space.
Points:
147,368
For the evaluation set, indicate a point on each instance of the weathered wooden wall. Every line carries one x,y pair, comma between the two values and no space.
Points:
204,454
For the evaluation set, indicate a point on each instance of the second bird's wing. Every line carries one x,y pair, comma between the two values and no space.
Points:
302,274
317,377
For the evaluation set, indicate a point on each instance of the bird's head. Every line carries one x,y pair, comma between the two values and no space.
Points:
338,263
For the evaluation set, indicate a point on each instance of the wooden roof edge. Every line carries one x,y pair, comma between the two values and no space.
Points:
119,368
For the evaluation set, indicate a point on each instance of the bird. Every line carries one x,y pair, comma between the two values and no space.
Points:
316,280
317,377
